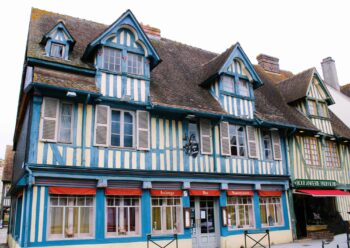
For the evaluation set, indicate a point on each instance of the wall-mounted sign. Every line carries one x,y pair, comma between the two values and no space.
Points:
306,183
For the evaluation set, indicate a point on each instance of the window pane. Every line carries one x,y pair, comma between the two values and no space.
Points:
111,59
193,131
56,220
111,219
135,64
85,215
65,122
243,88
228,84
156,219
57,50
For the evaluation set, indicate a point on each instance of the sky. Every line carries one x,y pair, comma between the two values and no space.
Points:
300,33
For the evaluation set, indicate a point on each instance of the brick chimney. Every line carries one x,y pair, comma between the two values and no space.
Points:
152,32
330,73
268,63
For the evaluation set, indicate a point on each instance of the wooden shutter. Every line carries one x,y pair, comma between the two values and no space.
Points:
101,125
49,119
276,143
252,144
225,139
205,129
143,130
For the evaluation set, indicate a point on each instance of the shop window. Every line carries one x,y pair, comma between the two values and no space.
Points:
267,144
71,217
238,141
271,211
331,154
123,216
240,212
112,59
311,151
166,215
135,64
122,128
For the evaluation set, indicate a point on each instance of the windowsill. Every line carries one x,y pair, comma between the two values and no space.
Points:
58,58
314,166
237,96
66,239
263,226
121,237
143,77
241,229
164,235
319,117
333,168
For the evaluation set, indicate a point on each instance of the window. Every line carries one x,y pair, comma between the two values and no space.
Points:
135,64
312,107
243,88
112,59
71,217
318,108
228,84
123,216
240,212
193,133
322,109
312,156
122,128
57,50
331,154
65,124
238,141
166,215
267,144
271,211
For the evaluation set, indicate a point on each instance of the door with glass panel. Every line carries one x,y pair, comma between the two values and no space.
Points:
204,222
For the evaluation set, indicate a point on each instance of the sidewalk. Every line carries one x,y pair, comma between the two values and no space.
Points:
338,240
3,236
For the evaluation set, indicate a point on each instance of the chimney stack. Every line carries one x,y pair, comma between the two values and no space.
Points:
268,63
330,73
152,32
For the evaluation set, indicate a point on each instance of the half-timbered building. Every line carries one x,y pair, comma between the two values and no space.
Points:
124,136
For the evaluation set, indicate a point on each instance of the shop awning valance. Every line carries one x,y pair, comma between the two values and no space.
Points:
163,192
127,192
322,192
270,193
198,192
240,192
72,191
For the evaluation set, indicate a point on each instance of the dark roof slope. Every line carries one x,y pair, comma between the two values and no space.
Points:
339,128
8,167
295,88
345,89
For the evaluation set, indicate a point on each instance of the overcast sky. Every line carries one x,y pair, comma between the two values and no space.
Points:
299,33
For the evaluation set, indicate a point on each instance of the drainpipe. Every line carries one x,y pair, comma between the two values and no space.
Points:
28,191
83,131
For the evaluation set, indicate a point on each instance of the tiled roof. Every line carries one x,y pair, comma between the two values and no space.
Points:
339,128
8,167
64,79
295,88
345,89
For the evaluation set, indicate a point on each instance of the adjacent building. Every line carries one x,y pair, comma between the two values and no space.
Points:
124,136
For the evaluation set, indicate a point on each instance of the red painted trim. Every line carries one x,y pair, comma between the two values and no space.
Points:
270,193
111,191
323,192
161,192
72,191
240,192
195,192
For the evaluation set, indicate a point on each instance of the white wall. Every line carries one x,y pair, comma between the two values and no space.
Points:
342,105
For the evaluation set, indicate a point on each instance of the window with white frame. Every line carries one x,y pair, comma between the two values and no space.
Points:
71,216
267,144
112,59
166,215
271,211
123,216
240,212
57,50
228,84
243,88
331,154
122,128
238,141
311,151
135,64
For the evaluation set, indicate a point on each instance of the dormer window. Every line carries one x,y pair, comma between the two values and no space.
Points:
57,50
112,59
243,88
317,108
228,84
135,64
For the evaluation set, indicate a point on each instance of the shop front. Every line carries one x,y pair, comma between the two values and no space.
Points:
316,208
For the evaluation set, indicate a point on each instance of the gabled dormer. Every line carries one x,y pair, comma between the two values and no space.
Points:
232,79
308,93
123,56
58,42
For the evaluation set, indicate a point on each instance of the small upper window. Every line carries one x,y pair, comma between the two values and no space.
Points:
135,64
57,50
243,88
122,128
238,141
112,59
228,84
267,144
193,133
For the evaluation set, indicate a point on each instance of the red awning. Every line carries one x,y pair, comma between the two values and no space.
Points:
240,192
323,192
111,191
165,192
204,192
72,191
270,193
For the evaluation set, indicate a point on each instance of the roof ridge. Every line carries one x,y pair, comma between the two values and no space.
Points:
219,54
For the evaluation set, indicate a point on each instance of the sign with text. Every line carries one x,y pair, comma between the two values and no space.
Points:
306,183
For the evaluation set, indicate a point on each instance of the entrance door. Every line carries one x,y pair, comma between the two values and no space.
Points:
204,220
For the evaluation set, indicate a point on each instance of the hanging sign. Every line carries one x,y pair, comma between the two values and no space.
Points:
306,183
